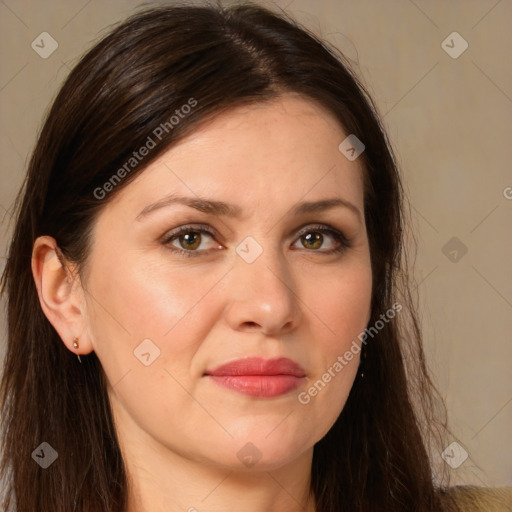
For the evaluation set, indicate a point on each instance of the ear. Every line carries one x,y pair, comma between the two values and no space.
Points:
60,293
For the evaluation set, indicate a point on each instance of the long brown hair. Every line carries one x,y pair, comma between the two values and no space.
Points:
376,455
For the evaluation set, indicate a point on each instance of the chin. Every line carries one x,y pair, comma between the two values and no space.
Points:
266,454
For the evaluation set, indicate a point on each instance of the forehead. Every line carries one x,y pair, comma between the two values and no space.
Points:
276,152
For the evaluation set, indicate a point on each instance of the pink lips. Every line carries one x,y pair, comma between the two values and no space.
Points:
259,377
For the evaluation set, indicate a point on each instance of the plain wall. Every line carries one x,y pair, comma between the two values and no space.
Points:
449,122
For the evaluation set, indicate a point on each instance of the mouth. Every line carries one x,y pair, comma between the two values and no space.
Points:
264,378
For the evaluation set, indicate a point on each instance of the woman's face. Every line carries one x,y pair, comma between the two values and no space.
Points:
257,272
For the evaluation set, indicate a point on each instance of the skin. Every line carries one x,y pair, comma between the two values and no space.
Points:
179,431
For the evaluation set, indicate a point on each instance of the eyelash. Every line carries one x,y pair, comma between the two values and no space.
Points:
338,236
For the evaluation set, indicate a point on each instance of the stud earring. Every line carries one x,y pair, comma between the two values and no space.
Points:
362,362
76,345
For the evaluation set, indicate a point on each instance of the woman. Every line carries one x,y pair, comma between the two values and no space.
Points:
207,303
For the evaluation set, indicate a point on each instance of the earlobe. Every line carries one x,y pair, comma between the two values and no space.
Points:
60,293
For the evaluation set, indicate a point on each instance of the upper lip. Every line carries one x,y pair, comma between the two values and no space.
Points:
259,366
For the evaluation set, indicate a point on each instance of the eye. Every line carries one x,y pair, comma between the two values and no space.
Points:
323,239
189,240
194,240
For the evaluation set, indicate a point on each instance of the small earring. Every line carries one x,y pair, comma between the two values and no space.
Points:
362,362
76,345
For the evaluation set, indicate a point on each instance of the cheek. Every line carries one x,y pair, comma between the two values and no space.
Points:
340,310
145,297
341,303
148,321
134,299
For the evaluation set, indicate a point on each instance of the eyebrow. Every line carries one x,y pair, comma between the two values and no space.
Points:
221,208
203,205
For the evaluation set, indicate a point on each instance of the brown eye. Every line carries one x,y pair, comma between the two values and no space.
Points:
322,239
190,240
312,240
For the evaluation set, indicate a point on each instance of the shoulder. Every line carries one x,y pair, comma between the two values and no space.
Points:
470,498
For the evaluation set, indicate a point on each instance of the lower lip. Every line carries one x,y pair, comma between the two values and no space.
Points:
259,385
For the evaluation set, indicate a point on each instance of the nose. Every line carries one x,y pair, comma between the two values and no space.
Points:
262,297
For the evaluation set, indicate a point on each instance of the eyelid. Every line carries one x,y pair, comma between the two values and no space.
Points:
202,228
320,227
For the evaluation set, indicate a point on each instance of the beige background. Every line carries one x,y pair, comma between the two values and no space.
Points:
449,120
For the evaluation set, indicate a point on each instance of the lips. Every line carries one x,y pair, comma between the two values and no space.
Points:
259,377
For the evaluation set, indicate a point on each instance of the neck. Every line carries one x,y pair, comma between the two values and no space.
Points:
167,482
167,479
